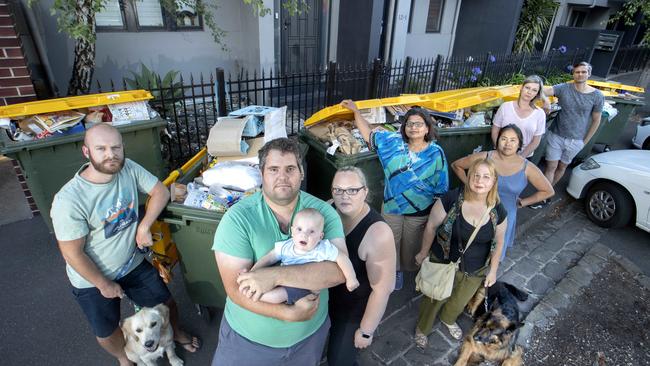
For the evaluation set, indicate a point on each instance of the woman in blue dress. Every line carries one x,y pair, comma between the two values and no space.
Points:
515,173
415,175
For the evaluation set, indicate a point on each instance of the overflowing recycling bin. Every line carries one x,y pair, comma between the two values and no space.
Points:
51,159
458,135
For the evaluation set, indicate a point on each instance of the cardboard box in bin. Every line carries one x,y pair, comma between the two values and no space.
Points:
225,138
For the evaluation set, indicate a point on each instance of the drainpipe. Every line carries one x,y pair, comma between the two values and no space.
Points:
40,48
453,29
390,22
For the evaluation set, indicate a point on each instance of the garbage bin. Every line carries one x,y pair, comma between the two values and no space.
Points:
192,231
458,142
322,166
49,163
613,129
587,149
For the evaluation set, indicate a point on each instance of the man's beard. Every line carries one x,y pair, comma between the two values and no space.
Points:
99,166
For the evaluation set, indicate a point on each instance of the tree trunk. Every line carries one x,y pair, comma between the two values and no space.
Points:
84,51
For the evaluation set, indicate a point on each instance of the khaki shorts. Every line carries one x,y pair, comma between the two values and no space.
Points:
561,148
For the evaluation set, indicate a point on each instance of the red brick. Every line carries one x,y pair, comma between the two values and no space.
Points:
6,21
7,32
26,90
20,71
4,9
7,73
21,81
9,42
12,62
14,52
16,100
9,92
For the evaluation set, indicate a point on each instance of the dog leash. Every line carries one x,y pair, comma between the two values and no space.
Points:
126,266
485,299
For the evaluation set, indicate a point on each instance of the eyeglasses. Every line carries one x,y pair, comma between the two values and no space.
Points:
416,124
348,191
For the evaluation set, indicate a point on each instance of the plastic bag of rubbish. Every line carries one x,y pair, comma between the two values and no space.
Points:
475,120
233,175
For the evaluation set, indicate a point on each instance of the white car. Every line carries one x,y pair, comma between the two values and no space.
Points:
641,138
615,186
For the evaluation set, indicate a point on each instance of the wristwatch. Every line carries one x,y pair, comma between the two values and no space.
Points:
364,334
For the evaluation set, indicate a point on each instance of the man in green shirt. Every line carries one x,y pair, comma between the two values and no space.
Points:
254,332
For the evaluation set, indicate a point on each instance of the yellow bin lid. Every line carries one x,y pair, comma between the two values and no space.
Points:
610,85
64,104
444,101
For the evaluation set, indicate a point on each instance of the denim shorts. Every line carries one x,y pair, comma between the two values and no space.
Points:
142,285
561,148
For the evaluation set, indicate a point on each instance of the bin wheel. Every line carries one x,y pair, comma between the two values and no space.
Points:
607,148
203,312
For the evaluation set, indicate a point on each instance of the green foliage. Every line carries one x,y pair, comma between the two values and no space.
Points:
557,78
534,20
628,13
160,87
516,79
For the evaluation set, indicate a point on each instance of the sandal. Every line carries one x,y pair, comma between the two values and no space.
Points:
454,330
421,341
193,345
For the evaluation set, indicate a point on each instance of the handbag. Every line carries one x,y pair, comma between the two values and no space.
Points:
436,280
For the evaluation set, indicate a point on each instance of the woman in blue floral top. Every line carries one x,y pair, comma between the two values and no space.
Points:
415,174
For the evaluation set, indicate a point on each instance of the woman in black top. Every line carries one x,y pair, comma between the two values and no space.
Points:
453,220
355,315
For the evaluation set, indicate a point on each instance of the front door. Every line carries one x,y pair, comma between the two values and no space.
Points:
301,38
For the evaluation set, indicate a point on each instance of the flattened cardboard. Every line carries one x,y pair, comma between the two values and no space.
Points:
226,136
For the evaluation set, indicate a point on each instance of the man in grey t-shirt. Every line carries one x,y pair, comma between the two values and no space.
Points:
576,123
96,223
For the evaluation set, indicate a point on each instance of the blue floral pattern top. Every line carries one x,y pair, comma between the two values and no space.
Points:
412,180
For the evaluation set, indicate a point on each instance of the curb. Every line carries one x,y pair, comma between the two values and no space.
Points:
576,279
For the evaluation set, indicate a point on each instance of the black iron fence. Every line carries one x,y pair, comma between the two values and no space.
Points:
192,105
631,58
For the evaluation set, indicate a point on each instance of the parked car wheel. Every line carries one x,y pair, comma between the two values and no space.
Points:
609,205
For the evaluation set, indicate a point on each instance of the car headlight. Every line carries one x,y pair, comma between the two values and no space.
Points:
589,164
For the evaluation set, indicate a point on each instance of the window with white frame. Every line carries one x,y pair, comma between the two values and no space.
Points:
434,16
143,15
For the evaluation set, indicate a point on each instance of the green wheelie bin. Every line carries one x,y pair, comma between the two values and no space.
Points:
322,166
613,129
458,142
192,231
49,163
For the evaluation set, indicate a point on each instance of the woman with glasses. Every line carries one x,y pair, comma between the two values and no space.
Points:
415,174
514,175
530,119
355,315
463,213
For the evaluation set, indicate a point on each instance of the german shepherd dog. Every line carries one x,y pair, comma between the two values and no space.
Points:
494,334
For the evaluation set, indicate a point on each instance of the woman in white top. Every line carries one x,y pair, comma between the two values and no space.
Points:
523,113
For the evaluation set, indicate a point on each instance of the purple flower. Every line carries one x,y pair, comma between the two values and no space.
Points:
462,80
476,71
472,78
562,49
492,58
450,74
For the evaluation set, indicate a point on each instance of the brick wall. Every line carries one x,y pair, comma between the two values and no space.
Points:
15,83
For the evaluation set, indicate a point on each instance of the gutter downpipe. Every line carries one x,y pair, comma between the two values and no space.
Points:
453,29
390,23
40,48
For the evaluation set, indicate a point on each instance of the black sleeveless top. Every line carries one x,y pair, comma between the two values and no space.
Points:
343,304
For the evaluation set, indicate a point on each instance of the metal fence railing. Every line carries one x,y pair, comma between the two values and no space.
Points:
630,59
192,105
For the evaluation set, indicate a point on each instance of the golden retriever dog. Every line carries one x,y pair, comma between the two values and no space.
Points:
148,335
